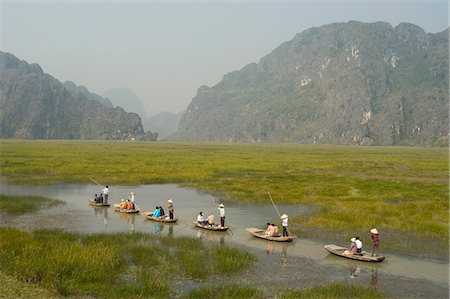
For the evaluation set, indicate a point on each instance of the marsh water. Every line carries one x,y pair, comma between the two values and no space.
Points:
299,264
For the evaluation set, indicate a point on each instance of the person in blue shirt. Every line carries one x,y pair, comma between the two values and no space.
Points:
157,212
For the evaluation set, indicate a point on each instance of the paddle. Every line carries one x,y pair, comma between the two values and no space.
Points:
139,209
279,215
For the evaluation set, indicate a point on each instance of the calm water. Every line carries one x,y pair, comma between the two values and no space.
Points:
297,264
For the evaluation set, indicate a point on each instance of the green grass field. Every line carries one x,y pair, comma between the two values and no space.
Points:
402,191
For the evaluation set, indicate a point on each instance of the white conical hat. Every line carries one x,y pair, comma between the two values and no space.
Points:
284,216
374,231
221,205
169,201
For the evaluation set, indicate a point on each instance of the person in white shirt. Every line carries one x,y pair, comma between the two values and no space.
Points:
132,199
284,223
105,192
222,215
358,245
200,219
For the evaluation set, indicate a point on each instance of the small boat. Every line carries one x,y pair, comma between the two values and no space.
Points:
260,233
365,256
117,208
102,204
211,227
165,219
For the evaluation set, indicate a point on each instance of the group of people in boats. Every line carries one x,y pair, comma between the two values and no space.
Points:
210,220
160,213
103,197
356,244
273,231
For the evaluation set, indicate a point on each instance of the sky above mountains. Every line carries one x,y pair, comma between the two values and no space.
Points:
164,51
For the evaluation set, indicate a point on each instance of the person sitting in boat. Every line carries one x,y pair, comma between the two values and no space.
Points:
100,198
129,205
359,244
352,248
276,231
96,198
270,231
161,212
123,204
201,220
210,219
156,213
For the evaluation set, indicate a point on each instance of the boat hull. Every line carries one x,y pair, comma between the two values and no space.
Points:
365,257
211,227
117,208
94,204
260,233
149,216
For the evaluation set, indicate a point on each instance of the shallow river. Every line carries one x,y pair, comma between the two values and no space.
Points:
299,264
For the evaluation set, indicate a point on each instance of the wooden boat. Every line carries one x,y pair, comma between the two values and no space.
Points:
260,233
365,256
93,203
117,208
211,227
165,219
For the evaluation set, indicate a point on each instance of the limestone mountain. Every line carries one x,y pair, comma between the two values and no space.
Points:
72,87
344,83
34,105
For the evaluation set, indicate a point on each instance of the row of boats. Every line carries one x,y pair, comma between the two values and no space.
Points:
256,232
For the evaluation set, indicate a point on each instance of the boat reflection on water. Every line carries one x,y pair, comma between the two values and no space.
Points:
170,233
158,227
102,212
130,219
270,249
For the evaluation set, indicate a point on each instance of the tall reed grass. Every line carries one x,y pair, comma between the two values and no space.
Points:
112,266
25,204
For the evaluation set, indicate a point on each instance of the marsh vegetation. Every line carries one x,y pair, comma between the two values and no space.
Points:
401,190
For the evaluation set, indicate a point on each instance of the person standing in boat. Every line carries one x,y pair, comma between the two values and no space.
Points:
375,240
170,208
105,192
222,214
132,199
284,224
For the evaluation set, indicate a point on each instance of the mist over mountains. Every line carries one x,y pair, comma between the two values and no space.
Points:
346,83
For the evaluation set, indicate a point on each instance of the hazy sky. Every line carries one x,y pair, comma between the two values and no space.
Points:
164,51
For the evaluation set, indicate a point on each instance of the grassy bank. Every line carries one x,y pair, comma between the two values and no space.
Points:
25,204
112,266
401,191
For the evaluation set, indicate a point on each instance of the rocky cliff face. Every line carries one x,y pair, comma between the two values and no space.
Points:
34,105
347,83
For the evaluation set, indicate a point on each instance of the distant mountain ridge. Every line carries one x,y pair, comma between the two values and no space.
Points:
346,83
34,105
72,87
127,99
